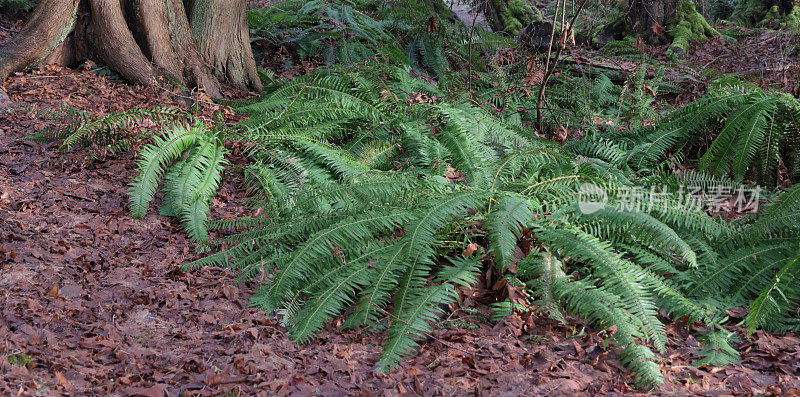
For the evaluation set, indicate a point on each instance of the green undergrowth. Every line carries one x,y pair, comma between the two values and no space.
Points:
18,359
789,20
757,13
17,5
361,206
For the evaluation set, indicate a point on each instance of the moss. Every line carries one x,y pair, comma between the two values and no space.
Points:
756,13
790,20
687,25
516,14
19,359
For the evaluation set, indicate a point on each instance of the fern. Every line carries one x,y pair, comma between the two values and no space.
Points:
718,350
423,307
505,226
758,130
364,192
191,181
776,298
79,128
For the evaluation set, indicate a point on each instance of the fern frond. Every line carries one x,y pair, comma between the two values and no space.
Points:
339,287
601,307
300,266
423,308
777,298
505,224
620,277
154,159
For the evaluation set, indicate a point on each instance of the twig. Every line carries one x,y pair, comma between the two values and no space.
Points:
540,94
549,70
469,48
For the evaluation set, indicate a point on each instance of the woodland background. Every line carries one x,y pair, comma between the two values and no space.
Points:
336,198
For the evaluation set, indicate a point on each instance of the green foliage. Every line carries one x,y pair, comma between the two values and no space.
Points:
338,31
400,33
777,298
191,160
768,15
18,359
759,134
361,201
17,5
717,348
359,210
368,177
756,266
114,131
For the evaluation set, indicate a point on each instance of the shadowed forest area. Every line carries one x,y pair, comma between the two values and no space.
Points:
399,197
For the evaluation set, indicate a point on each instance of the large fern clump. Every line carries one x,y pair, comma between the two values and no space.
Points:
363,187
370,178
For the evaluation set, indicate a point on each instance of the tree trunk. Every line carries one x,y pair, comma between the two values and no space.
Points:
649,19
48,26
223,38
663,21
143,40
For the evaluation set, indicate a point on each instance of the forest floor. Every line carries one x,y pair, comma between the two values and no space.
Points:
94,302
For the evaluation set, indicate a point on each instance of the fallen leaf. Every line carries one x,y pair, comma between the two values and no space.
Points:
657,29
471,248
54,292
63,381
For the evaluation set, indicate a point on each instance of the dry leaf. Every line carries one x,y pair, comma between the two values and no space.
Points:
561,133
54,292
471,248
63,381
432,26
657,29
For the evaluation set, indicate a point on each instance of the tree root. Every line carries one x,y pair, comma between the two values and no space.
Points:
688,25
143,40
47,27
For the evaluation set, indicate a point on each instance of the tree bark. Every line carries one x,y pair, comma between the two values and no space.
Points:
649,19
145,41
169,43
114,43
220,29
47,27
